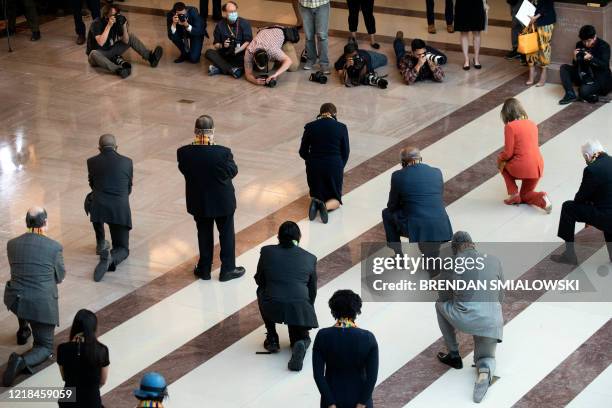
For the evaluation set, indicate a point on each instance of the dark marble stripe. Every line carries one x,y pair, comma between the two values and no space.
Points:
407,12
211,342
333,33
572,376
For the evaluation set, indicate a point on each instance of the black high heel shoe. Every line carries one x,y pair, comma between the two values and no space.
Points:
477,66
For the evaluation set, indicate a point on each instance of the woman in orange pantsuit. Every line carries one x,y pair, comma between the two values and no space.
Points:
521,158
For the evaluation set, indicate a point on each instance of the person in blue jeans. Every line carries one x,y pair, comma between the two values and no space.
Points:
355,59
79,26
315,17
186,30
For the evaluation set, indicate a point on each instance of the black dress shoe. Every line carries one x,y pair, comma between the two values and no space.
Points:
271,343
105,261
197,271
568,98
565,258
35,36
180,59
15,365
80,40
323,211
155,56
236,273
451,360
312,211
23,336
298,351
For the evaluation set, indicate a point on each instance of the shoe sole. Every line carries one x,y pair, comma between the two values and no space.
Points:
297,356
272,350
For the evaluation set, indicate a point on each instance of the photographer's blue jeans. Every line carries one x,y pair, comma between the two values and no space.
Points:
195,48
378,59
400,50
316,23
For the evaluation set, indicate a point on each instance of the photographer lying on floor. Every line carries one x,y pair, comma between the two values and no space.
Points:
108,39
356,67
422,63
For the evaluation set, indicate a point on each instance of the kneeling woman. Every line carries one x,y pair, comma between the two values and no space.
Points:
325,149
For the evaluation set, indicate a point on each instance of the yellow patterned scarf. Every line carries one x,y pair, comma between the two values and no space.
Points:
345,323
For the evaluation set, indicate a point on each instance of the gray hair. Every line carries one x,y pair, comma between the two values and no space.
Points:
410,154
36,217
591,148
107,140
461,241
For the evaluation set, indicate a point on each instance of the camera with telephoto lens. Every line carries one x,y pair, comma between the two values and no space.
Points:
436,59
319,77
182,17
373,79
120,19
585,73
270,84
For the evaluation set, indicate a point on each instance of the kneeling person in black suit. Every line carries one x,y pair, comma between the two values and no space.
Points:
286,290
110,179
209,193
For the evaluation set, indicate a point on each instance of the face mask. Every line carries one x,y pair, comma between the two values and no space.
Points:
232,17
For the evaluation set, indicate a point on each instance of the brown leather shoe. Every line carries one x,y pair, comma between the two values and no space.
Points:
450,28
431,29
80,40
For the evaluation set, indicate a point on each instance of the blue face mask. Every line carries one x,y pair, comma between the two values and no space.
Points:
232,17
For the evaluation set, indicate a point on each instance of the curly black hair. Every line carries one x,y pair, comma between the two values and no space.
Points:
345,304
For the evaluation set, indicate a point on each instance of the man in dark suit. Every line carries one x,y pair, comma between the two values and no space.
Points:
286,290
110,179
186,30
592,204
209,193
37,266
416,205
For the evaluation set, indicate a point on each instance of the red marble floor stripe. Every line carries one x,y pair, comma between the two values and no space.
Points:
179,277
572,376
241,323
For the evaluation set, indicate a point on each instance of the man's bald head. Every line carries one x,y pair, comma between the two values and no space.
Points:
204,122
107,140
36,217
410,155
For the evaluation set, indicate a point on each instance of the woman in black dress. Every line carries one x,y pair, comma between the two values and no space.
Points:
344,357
325,149
83,362
470,15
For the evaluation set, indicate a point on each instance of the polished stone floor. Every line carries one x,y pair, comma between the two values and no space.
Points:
54,107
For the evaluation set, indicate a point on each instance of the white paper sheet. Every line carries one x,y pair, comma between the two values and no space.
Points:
525,13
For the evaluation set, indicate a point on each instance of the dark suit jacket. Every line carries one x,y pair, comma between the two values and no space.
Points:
110,179
198,25
345,366
417,200
37,266
208,172
596,186
325,138
546,10
600,63
287,285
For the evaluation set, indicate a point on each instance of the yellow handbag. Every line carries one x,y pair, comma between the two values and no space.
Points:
528,41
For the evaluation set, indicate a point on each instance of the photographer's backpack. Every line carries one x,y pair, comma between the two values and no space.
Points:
292,34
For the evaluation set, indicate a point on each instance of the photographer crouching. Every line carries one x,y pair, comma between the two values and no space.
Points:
590,69
271,48
186,30
421,64
108,39
357,67
231,37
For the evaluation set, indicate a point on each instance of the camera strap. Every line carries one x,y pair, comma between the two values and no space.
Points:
235,35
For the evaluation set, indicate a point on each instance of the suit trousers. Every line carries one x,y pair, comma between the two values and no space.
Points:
573,212
216,10
449,10
225,62
42,348
102,58
588,92
227,242
195,48
394,231
30,12
92,5
527,193
296,333
367,9
484,347
120,236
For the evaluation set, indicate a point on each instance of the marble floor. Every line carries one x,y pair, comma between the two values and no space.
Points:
54,107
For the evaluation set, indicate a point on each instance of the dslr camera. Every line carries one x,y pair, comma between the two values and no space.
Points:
585,72
319,77
373,79
270,84
436,59
182,17
120,19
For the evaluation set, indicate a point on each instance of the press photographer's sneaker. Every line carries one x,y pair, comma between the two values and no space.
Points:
325,69
236,72
213,70
123,72
568,98
308,66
